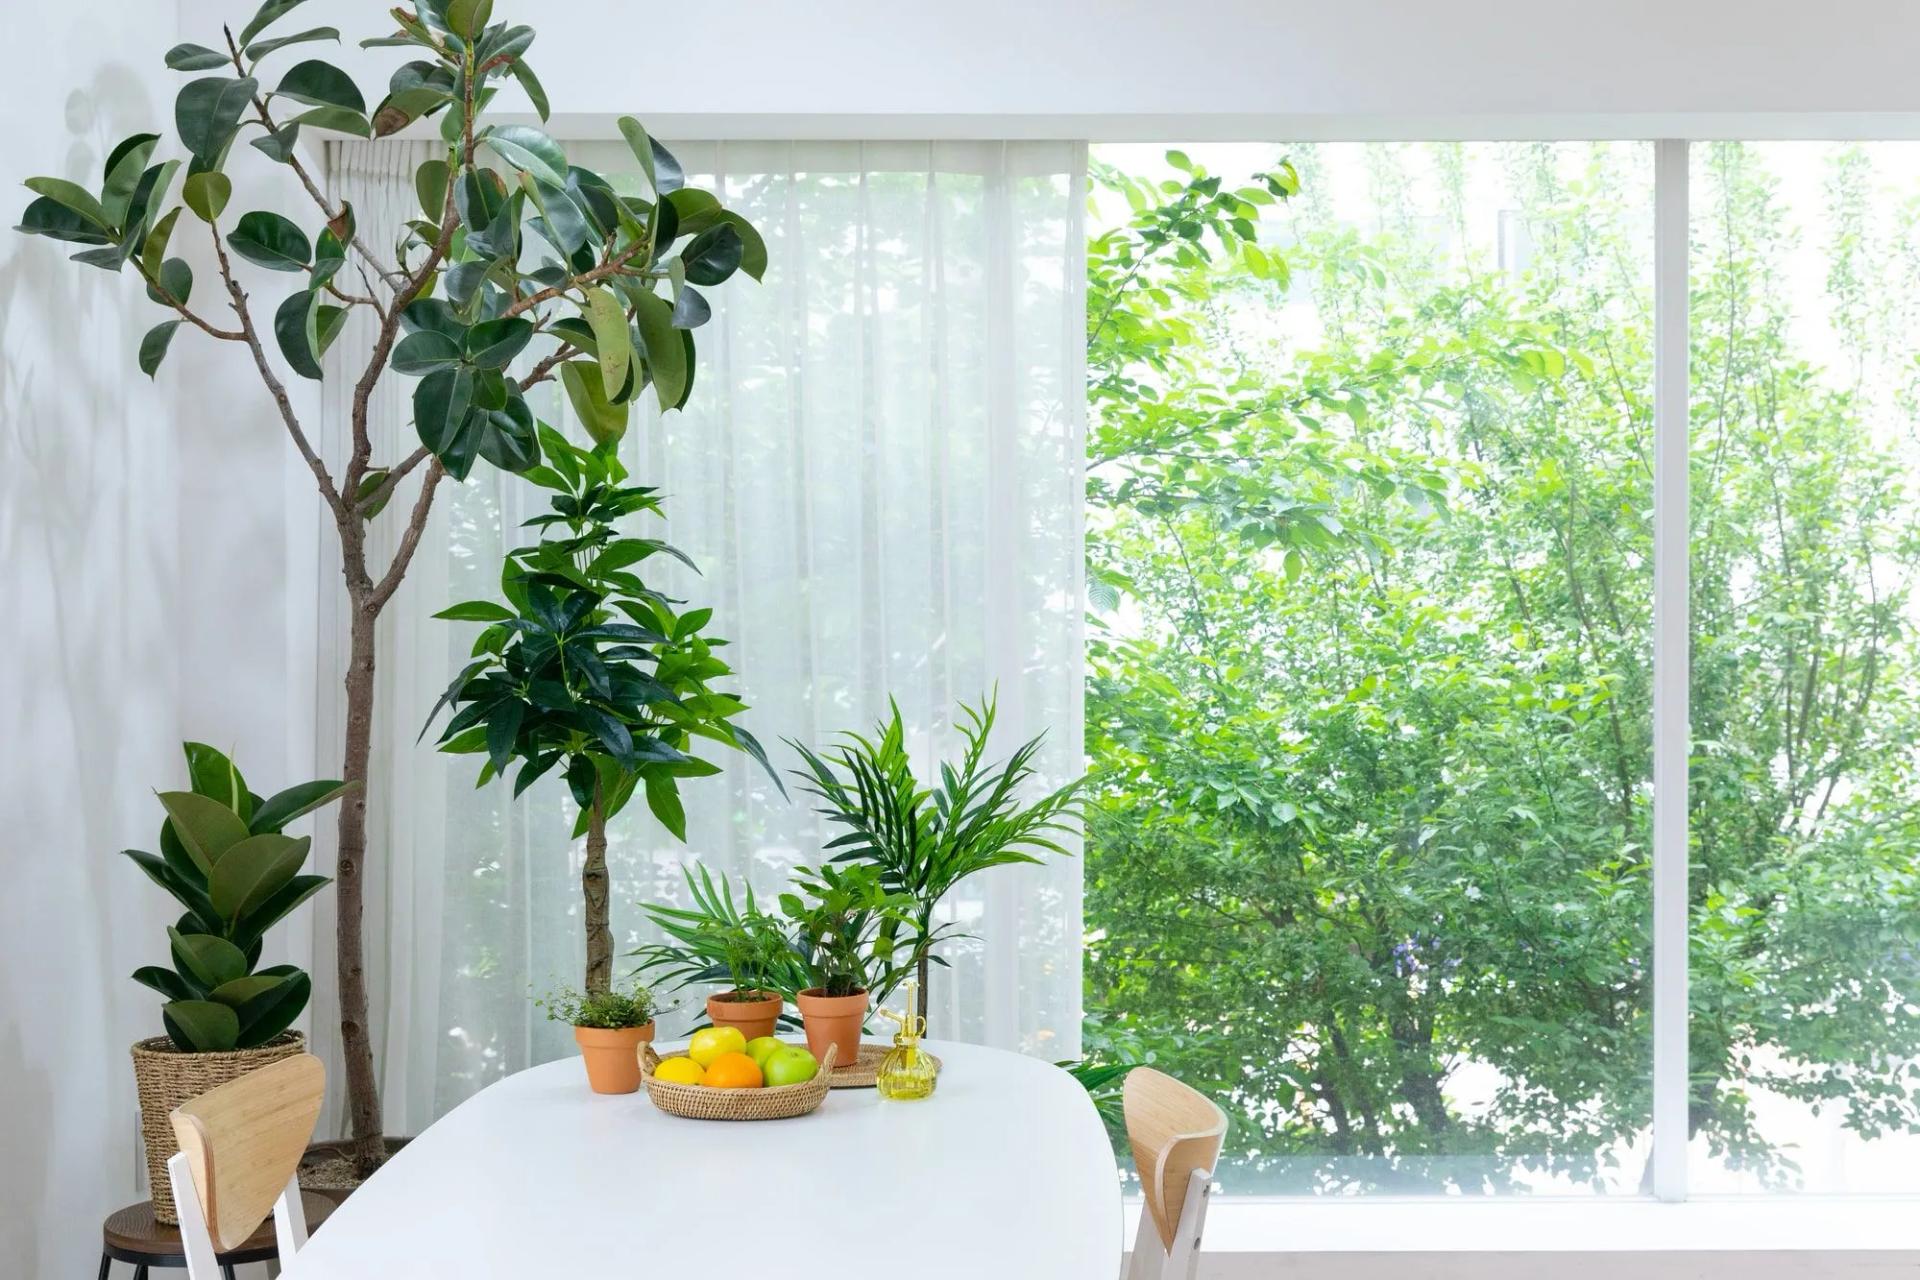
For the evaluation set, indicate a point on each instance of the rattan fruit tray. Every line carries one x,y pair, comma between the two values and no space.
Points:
698,1102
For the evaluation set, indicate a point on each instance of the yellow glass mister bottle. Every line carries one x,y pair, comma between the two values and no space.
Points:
906,1071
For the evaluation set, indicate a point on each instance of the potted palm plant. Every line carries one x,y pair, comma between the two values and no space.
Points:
845,923
719,940
609,1026
923,840
225,859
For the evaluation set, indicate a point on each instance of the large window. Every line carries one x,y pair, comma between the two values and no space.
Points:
1370,694
1805,814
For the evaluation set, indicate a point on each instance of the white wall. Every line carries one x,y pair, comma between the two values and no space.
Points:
143,553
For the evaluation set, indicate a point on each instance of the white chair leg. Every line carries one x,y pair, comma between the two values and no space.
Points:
196,1242
1148,1259
290,1220
1183,1260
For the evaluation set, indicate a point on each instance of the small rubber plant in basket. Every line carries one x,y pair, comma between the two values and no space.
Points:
720,940
226,860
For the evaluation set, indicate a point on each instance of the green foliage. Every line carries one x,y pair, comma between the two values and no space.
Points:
718,940
925,840
608,1010
512,236
590,670
224,859
844,922
1105,1085
1369,705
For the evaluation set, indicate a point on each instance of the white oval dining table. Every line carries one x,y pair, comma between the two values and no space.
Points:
1003,1174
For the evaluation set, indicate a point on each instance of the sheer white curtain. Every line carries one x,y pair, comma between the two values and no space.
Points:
879,476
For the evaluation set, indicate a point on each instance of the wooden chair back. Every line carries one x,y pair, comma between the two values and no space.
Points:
1174,1131
243,1140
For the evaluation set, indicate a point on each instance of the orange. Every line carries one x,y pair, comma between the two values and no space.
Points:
733,1071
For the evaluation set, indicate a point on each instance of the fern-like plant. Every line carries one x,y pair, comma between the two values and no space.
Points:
720,940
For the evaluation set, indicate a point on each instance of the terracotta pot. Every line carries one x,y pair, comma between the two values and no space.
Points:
833,1020
754,1018
612,1057
166,1077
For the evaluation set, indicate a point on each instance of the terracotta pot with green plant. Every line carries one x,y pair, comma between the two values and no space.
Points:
924,840
610,1027
224,858
719,940
844,921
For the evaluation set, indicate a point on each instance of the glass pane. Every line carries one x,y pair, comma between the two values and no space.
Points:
1806,539
1370,569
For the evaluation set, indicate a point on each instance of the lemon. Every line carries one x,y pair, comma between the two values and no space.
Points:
679,1071
711,1042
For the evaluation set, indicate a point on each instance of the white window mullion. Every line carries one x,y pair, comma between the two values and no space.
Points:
1671,732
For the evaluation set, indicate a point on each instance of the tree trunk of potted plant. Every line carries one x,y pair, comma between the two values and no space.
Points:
593,891
356,1044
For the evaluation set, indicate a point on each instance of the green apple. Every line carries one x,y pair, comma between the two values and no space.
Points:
760,1048
791,1065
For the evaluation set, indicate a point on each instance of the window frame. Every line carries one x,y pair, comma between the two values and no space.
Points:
1851,1227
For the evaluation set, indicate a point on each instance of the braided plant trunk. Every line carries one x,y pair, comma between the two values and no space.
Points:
594,892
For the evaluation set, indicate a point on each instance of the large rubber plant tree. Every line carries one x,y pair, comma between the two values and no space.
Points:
520,268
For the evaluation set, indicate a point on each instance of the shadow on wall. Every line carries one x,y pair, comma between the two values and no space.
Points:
87,571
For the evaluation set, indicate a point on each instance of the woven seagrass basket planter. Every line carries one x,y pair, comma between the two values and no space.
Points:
167,1077
698,1102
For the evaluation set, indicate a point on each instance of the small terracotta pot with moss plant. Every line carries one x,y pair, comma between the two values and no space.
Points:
719,939
610,1027
845,924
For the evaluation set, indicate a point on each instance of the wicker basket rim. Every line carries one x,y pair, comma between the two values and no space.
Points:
775,1102
822,1078
164,1047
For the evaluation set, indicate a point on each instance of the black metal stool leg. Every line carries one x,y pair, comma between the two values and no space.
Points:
139,1271
226,1271
105,1263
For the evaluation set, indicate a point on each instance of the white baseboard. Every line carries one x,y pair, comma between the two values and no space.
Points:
1685,1265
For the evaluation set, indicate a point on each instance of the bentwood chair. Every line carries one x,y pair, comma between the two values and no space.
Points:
240,1149
1175,1133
